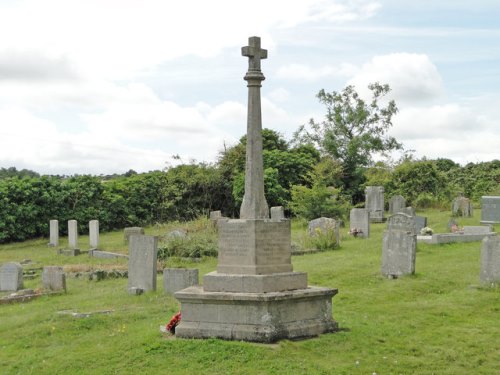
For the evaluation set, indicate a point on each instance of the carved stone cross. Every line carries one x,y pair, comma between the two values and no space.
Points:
254,53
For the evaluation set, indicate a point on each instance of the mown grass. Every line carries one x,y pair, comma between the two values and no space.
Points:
439,321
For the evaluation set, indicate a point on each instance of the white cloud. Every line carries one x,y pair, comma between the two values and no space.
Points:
412,77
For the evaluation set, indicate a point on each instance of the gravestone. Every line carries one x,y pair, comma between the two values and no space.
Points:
175,279
399,246
11,277
396,204
374,203
94,234
54,233
73,234
420,222
359,222
53,278
254,295
277,213
215,215
142,258
127,232
324,226
490,210
461,206
478,229
409,211
490,261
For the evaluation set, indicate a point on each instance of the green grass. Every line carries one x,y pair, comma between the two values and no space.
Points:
438,321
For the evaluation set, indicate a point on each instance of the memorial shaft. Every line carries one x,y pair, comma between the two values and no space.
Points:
254,205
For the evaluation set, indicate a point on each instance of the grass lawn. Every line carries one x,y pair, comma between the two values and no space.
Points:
438,321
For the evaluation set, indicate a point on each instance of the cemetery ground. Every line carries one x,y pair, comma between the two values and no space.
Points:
439,320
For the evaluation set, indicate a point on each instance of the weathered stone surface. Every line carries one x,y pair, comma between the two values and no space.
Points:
420,223
440,238
215,215
11,277
490,210
53,278
254,204
278,213
72,234
54,233
461,206
127,232
409,211
143,253
322,226
259,317
94,234
396,204
399,246
374,203
490,261
359,220
478,229
277,282
254,246
175,279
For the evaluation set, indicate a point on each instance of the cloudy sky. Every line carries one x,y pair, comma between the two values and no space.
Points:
104,86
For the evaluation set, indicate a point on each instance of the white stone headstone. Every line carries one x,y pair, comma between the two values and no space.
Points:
54,233
11,277
94,234
490,261
73,234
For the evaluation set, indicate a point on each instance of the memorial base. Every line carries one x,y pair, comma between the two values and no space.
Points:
257,317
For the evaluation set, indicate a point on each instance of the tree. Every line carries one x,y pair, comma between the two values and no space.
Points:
353,130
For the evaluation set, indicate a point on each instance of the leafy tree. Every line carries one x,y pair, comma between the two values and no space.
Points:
353,130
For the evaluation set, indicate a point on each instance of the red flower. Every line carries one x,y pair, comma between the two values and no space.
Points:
176,319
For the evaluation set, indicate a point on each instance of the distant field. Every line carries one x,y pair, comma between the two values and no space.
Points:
439,321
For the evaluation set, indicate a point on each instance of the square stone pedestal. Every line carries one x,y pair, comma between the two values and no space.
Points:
258,317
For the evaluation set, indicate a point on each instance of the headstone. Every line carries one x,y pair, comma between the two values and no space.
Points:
399,246
277,213
374,203
490,261
11,277
127,232
461,206
396,204
324,226
215,215
54,233
254,295
359,222
73,234
490,210
420,222
94,234
409,211
175,279
53,278
143,253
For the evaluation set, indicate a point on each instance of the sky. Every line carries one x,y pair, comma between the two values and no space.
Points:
105,86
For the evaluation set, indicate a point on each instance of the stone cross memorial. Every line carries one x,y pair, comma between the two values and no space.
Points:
254,295
399,246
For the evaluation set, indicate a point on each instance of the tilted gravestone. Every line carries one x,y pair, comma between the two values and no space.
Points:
94,234
490,261
255,295
53,278
399,246
54,233
324,226
461,206
396,204
127,232
374,203
175,279
490,210
11,277
142,258
359,222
